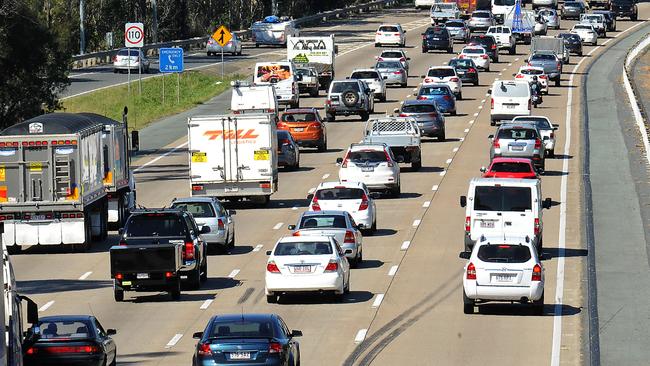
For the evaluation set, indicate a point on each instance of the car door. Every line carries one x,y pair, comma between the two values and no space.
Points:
107,342
345,265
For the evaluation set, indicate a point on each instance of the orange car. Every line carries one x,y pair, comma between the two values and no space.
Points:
306,126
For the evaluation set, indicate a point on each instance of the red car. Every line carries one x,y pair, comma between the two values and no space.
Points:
510,168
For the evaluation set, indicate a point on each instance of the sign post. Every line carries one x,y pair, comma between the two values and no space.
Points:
134,38
222,36
170,60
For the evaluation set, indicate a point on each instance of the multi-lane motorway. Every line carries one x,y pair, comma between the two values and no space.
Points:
405,302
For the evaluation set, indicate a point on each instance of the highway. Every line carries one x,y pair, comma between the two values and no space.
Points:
405,303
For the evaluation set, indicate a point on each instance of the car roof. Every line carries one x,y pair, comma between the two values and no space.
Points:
441,67
511,160
243,316
364,70
193,199
327,185
537,68
515,182
366,146
302,239
323,213
392,50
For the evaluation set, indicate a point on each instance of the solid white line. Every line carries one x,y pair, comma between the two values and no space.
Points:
426,204
206,304
449,160
405,245
325,176
378,300
172,342
434,188
471,121
294,208
161,156
46,306
234,273
361,335
442,173
393,270
496,79
636,111
85,275
416,223
278,225
258,247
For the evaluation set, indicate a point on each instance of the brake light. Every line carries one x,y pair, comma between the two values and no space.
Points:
455,80
494,47
433,114
169,274
537,273
388,159
265,185
272,267
484,56
402,59
349,237
471,70
446,97
197,187
468,224
285,142
559,66
275,347
332,266
364,203
538,143
297,233
552,135
282,125
461,56
421,97
519,76
64,349
397,73
188,252
471,272
542,76
404,115
491,103
396,34
114,60
427,80
496,143
204,350
314,204
220,224
119,276
536,229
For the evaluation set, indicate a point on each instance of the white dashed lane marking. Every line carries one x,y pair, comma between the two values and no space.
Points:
46,306
172,342
393,270
405,245
206,304
361,335
258,247
278,225
434,188
85,275
234,273
378,300
416,223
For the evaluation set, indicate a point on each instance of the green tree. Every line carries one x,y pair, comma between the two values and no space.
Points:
34,64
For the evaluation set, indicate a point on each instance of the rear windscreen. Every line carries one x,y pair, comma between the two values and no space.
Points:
197,209
388,29
128,53
307,248
154,225
369,156
391,54
459,63
510,168
493,198
504,253
544,57
480,15
441,73
455,24
418,108
477,51
388,65
339,194
298,117
531,72
434,90
242,329
323,221
365,75
341,87
68,329
517,134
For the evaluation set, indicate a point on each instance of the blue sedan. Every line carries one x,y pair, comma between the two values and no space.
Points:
247,339
441,94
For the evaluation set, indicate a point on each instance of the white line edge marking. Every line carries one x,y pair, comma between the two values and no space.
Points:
161,157
278,226
405,245
393,270
86,275
234,273
636,111
378,299
172,342
416,223
46,306
449,161
475,114
206,304
434,188
361,335
258,247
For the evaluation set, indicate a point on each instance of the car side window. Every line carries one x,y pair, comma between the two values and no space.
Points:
221,211
351,219
338,248
191,224
100,330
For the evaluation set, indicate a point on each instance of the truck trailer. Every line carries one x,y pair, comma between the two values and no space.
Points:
316,52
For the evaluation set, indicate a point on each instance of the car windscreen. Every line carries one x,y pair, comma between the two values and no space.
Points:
339,194
298,117
500,198
391,54
154,224
542,57
365,75
434,90
511,90
65,329
510,167
570,36
243,328
480,15
323,222
388,65
517,134
135,53
304,72
583,26
531,72
197,209
462,63
386,28
341,87
303,248
475,51
546,12
455,24
571,4
504,253
367,156
419,108
441,73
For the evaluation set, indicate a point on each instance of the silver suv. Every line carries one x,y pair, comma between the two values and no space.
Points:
518,140
348,97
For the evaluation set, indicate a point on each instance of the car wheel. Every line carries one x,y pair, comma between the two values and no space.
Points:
175,291
115,71
322,147
204,271
194,279
551,153
453,113
403,85
538,305
468,304
114,363
382,98
441,137
424,50
557,81
487,68
119,295
397,192
271,299
416,165
580,53
377,45
476,82
364,116
450,50
331,117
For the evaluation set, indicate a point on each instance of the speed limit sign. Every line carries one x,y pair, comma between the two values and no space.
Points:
134,35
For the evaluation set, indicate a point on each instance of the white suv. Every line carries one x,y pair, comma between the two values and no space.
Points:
375,81
510,99
353,197
503,269
445,75
371,164
390,34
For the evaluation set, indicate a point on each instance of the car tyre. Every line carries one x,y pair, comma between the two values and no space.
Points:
331,117
551,153
397,192
453,113
377,45
364,116
441,137
513,49
403,85
460,96
175,291
114,363
382,98
468,304
272,299
538,305
314,92
450,50
476,82
194,279
118,295
417,165
557,81
204,271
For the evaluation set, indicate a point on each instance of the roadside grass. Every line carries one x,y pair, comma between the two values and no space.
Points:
195,88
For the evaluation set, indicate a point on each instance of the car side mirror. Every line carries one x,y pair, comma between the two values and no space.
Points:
408,59
291,227
464,255
396,110
120,231
232,212
348,251
463,201
296,333
111,332
268,252
339,160
205,229
360,226
197,335
310,196
483,169
347,78
547,203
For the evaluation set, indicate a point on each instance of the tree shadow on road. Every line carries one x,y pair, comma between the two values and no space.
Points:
34,287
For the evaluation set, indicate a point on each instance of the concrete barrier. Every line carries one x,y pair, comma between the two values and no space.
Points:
640,115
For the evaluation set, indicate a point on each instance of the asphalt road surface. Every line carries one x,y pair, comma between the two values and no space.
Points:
405,302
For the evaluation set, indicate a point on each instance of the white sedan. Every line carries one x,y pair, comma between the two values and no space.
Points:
586,32
306,264
527,73
352,197
478,54
503,269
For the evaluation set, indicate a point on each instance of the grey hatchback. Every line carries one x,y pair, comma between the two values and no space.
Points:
518,141
393,72
430,119
572,9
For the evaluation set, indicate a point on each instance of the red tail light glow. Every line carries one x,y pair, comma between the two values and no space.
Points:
471,272
272,267
397,72
491,103
538,144
537,273
471,70
468,224
349,237
314,204
364,203
494,47
421,97
204,350
496,143
388,159
188,252
446,97
542,77
519,76
454,80
119,276
536,228
485,57
275,347
332,266
220,224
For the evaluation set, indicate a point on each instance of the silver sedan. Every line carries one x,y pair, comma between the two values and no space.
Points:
234,46
393,72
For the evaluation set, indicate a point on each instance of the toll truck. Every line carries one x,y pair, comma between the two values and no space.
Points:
59,175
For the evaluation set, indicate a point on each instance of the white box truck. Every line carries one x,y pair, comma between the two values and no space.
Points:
248,98
233,157
316,52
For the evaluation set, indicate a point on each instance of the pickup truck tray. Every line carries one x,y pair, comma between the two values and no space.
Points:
146,258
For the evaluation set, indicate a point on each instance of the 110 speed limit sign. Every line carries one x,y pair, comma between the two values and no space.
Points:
134,35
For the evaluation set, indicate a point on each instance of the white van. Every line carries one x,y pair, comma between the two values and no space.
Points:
510,98
247,98
282,76
498,206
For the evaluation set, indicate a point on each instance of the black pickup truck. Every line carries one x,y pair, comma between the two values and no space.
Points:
158,249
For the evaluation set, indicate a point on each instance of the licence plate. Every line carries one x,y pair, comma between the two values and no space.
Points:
126,283
435,38
510,106
38,217
487,224
240,355
302,269
504,277
231,189
517,148
261,155
367,169
298,129
142,276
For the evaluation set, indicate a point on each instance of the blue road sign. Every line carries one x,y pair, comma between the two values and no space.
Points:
171,60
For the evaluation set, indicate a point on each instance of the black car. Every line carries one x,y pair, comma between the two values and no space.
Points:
572,42
489,43
625,8
610,19
466,69
247,339
72,340
437,38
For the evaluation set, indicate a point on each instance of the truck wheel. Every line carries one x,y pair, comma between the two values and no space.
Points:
416,165
272,299
194,279
364,116
204,271
175,290
468,304
118,294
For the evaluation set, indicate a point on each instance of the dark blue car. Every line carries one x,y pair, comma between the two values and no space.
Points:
441,94
247,339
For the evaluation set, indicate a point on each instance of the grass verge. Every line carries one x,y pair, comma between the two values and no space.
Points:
195,88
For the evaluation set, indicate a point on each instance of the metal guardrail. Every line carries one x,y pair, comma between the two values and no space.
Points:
101,57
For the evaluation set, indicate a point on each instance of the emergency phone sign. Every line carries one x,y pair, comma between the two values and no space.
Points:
134,35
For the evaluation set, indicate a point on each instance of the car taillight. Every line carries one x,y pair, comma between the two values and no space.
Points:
220,224
538,143
471,70
552,135
64,349
282,125
388,160
349,237
188,252
471,272
114,60
204,349
494,47
433,114
559,66
402,59
536,227
396,34
314,204
397,72
496,144
421,97
468,224
542,76
454,80
446,97
427,80
328,103
378,33
537,273
332,266
519,76
364,203
485,57
272,267
296,233
491,103
404,115
285,142
461,56
529,64
275,347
